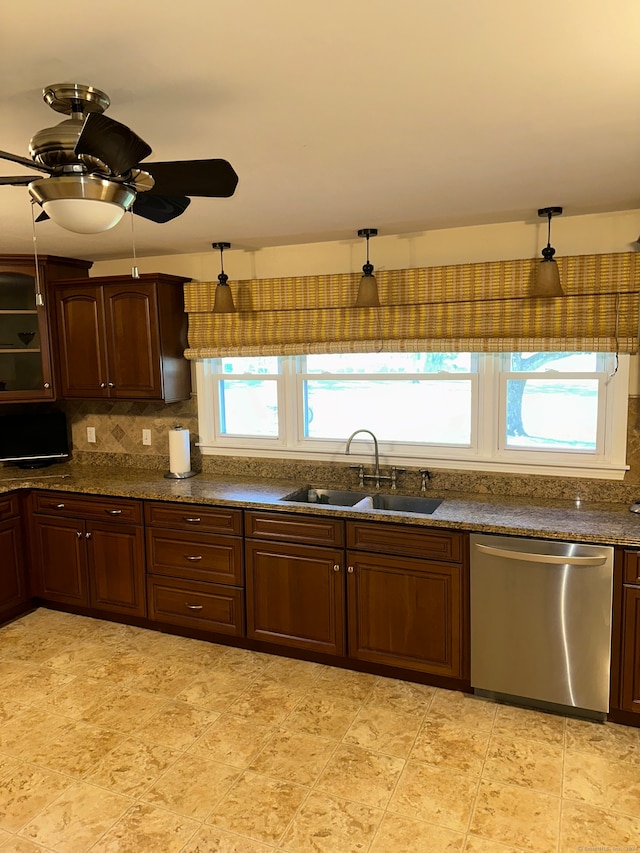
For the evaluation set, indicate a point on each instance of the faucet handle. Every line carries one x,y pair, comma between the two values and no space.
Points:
360,470
394,474
426,475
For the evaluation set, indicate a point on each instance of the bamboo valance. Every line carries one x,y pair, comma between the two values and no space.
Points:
483,307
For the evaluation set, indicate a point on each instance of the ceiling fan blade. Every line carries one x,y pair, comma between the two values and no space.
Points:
204,178
17,181
160,208
111,142
24,161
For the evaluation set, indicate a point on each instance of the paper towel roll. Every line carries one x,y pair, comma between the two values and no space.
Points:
179,451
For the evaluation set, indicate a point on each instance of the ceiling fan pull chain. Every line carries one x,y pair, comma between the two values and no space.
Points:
134,269
39,296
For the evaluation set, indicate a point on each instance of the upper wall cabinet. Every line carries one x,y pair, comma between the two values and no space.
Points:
121,338
25,360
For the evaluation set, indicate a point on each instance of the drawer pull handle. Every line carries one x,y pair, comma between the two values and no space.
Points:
194,606
59,506
113,511
192,520
194,559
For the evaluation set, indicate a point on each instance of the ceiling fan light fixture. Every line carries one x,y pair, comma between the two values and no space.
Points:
223,298
84,204
368,288
547,279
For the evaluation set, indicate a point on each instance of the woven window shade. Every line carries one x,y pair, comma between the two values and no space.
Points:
481,307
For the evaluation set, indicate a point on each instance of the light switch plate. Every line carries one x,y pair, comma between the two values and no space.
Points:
91,435
146,437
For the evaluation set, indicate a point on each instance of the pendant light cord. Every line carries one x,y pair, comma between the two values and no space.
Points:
134,269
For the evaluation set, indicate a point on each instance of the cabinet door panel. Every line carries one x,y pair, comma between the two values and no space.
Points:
630,671
116,568
405,613
12,580
60,567
133,344
81,344
295,596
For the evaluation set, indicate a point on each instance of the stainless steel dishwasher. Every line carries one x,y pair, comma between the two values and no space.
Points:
541,622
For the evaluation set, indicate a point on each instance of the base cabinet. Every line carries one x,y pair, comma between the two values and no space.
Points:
630,633
13,585
195,567
407,611
77,558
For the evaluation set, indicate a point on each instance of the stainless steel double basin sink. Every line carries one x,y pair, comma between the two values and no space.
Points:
364,500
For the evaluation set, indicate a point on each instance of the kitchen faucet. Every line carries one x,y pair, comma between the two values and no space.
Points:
376,476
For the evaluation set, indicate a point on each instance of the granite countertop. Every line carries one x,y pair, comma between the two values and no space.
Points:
552,519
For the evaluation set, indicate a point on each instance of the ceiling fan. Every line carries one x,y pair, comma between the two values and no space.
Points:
93,170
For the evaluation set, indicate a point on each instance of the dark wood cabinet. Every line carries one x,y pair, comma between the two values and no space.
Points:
13,586
195,567
88,552
122,339
629,675
406,611
295,596
26,373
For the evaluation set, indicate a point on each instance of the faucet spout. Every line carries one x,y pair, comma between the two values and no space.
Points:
375,450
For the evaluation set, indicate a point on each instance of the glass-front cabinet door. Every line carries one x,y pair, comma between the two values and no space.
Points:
25,365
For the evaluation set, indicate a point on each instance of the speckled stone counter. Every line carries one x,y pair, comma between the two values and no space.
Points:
552,519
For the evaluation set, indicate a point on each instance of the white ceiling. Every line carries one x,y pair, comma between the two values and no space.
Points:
404,115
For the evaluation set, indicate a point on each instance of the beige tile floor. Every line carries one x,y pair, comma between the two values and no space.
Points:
115,738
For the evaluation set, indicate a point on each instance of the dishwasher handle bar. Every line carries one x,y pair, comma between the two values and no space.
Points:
542,558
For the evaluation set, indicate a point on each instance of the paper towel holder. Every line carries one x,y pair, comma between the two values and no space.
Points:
183,475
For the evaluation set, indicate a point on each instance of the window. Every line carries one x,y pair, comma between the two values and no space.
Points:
535,412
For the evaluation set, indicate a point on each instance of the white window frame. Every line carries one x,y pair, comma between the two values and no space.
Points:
487,451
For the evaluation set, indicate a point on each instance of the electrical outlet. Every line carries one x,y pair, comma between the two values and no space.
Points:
91,435
146,436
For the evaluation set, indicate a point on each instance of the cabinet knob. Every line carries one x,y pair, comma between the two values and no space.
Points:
47,385
110,384
336,567
103,384
350,569
113,511
193,606
59,506
194,559
193,520
87,536
78,534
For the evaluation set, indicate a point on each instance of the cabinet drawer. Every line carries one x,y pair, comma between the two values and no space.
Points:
208,606
410,541
195,556
312,530
8,506
206,519
632,567
88,507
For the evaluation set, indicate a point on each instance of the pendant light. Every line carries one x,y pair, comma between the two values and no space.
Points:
547,281
223,301
368,287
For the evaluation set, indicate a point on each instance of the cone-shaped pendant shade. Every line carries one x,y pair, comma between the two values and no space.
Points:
368,293
223,300
547,281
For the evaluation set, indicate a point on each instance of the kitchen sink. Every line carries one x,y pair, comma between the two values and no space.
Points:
335,497
406,503
364,500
